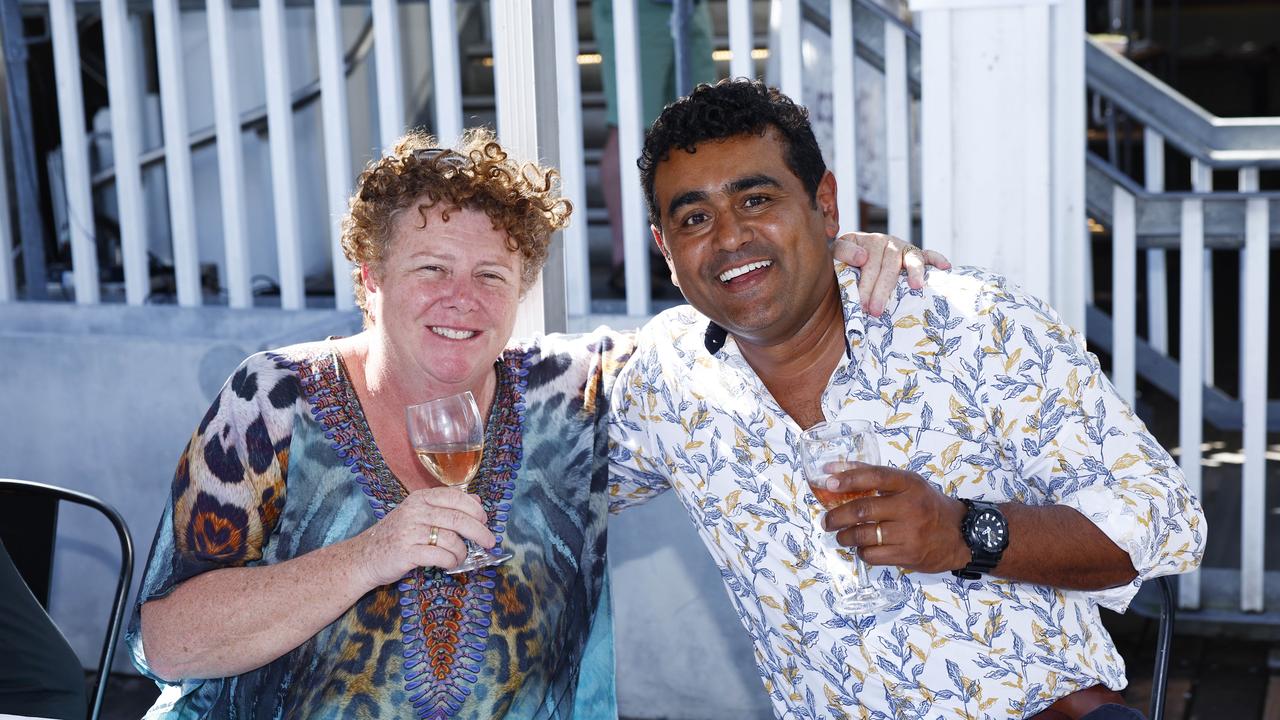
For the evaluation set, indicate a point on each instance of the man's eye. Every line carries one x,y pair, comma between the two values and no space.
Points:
755,200
694,219
431,268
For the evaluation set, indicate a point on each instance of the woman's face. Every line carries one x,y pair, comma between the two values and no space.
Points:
444,296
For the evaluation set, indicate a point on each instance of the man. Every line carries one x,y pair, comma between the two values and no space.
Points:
979,394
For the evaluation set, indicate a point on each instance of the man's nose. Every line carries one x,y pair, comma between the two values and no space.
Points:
732,233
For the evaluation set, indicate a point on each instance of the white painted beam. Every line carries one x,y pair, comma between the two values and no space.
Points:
1191,370
126,144
284,189
177,152
572,166
226,112
339,182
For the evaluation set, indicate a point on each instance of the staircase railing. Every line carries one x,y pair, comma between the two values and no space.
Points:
1150,220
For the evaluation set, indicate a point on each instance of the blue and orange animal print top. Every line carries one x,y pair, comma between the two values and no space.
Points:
284,463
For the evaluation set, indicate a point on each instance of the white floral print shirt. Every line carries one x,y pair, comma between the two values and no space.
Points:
984,392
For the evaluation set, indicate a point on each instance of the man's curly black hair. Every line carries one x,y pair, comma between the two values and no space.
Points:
730,108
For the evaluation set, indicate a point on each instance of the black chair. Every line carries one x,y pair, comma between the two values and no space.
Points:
28,528
1164,645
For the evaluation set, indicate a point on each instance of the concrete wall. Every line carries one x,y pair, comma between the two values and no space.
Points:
102,399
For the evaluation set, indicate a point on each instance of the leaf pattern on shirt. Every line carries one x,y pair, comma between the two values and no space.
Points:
984,392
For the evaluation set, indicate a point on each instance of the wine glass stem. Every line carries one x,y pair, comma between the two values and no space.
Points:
862,577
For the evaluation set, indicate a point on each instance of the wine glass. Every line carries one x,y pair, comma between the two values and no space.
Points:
827,448
448,438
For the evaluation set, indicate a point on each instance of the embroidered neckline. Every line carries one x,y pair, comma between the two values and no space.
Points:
444,618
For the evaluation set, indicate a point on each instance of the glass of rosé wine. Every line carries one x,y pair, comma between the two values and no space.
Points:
825,449
448,438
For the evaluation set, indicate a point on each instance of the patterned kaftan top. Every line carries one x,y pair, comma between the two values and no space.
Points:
284,463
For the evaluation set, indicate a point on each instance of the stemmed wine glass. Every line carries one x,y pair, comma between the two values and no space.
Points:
448,439
827,448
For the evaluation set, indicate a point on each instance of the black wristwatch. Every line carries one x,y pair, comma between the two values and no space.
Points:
986,532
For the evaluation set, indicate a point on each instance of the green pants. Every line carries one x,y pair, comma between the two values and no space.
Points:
40,675
657,53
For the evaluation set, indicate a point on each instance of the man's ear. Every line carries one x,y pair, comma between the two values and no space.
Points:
666,254
826,200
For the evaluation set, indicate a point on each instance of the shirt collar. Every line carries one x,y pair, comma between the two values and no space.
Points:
855,321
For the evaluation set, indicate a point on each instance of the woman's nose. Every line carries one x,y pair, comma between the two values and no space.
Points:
461,295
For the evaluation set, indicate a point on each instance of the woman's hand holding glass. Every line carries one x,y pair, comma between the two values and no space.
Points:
448,438
401,541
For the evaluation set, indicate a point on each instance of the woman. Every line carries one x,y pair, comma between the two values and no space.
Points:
298,568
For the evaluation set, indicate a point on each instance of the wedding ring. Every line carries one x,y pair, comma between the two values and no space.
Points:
879,535
435,535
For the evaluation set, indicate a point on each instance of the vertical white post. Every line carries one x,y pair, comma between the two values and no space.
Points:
936,157
1202,182
993,172
1191,376
515,84
445,72
337,140
630,139
126,143
790,52
897,128
283,166
572,167
386,47
844,112
1124,274
177,152
1253,391
226,111
741,41
1248,180
75,162
1069,229
1039,198
1157,279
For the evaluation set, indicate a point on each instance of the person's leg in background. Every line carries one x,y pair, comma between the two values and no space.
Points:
657,73
40,675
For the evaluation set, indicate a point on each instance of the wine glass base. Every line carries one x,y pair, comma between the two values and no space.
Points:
865,600
479,559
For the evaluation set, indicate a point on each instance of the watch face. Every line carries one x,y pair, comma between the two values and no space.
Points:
989,531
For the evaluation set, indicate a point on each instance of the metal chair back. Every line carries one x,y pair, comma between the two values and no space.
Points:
1164,645
35,531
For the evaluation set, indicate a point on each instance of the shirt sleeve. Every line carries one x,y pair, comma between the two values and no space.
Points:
637,472
1081,446
228,489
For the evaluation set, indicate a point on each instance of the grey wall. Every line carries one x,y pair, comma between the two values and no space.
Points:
103,399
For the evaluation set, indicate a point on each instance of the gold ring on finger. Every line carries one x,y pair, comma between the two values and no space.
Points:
879,535
435,535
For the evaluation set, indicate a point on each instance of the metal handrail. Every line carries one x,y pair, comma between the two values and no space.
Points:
1218,142
254,118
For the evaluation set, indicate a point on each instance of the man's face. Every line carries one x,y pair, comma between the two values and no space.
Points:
746,245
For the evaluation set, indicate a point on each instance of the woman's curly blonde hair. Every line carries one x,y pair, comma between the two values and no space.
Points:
522,199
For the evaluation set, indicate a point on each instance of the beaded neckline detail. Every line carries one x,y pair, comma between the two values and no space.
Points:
444,618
